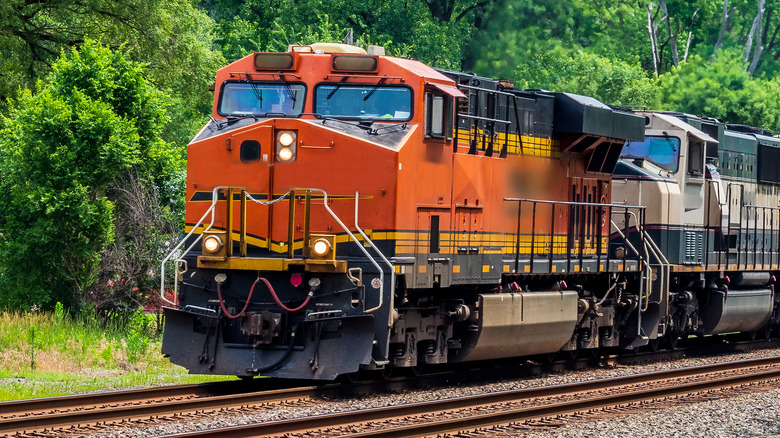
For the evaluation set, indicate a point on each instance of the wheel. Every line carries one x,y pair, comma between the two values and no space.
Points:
654,344
348,377
673,341
418,370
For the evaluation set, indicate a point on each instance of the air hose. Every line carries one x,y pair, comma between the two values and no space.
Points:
249,298
282,359
279,302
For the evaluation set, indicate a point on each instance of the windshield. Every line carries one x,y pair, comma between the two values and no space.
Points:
663,151
260,99
364,102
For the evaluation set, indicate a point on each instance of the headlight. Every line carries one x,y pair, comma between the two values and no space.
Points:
212,244
286,142
321,247
285,154
286,138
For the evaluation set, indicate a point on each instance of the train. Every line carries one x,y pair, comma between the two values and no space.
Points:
349,211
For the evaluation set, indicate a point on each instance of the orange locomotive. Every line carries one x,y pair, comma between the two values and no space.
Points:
353,211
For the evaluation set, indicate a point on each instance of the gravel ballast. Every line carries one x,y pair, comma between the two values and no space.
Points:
752,414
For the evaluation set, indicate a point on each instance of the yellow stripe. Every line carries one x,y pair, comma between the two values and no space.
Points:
407,242
533,146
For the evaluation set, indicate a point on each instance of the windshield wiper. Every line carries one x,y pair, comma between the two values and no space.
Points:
336,88
258,92
366,125
373,89
290,93
233,118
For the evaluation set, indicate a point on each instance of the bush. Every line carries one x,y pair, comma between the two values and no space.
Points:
92,122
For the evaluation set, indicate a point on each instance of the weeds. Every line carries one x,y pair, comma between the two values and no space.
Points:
32,348
55,353
139,335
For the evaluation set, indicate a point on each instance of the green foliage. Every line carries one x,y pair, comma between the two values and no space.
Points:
138,335
575,71
78,354
721,89
61,148
172,37
404,28
32,347
59,313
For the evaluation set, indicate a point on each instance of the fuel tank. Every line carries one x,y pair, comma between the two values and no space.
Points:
520,324
738,310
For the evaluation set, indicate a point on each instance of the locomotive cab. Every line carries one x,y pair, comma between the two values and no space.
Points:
703,213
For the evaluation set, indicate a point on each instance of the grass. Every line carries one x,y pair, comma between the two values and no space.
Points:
44,354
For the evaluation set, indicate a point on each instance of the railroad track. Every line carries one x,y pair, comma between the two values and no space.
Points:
516,409
87,411
97,412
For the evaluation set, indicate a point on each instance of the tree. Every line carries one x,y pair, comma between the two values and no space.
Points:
144,232
437,32
721,89
173,38
94,119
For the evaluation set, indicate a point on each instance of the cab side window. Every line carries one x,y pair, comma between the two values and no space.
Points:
438,116
695,158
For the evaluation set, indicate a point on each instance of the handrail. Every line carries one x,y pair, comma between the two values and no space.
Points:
586,204
214,199
392,267
357,242
641,284
211,210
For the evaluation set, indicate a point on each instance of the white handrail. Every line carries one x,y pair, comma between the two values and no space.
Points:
357,242
387,262
211,210
214,199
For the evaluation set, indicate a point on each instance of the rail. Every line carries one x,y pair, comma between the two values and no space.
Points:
291,196
382,256
472,415
742,232
585,222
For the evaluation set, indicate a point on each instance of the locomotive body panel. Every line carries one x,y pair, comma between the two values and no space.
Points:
357,212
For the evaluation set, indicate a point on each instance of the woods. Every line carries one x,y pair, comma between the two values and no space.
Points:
99,99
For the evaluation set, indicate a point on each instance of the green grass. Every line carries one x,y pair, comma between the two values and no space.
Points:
46,354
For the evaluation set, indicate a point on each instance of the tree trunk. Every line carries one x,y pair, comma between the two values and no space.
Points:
759,37
441,9
690,34
651,32
749,43
723,26
672,37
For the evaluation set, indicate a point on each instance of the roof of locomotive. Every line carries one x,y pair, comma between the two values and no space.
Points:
247,66
690,129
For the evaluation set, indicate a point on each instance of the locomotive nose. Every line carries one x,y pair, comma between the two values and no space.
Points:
265,144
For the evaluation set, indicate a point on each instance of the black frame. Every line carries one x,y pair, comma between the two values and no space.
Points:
364,84
222,91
